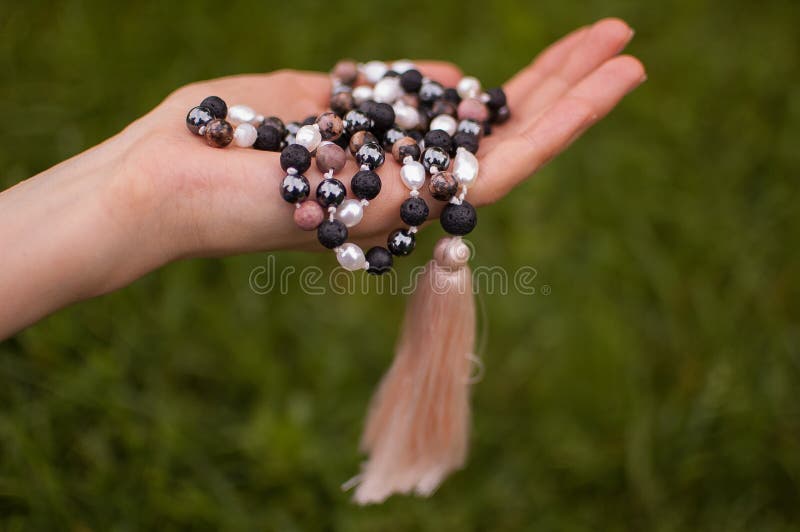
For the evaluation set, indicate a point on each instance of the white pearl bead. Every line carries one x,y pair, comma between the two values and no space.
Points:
350,212
402,65
350,257
413,175
309,137
387,90
374,70
361,94
406,116
465,167
240,114
245,135
468,87
445,123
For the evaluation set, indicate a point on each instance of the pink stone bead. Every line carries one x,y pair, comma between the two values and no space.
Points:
308,215
473,109
330,155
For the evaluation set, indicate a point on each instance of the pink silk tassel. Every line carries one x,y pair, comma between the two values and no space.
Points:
417,429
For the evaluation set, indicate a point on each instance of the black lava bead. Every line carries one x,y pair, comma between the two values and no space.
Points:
416,135
497,98
275,122
297,157
370,154
381,114
401,242
366,184
217,105
439,139
465,140
295,188
392,135
198,117
498,116
355,120
459,219
414,211
435,157
331,192
451,95
269,138
411,80
430,92
332,233
380,260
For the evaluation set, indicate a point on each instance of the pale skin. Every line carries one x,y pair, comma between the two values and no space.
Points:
154,193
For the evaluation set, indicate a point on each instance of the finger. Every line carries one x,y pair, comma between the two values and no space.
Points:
445,73
545,63
512,161
605,39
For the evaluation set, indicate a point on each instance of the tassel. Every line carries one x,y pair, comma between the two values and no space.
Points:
418,425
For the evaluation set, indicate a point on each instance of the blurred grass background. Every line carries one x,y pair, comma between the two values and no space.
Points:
656,387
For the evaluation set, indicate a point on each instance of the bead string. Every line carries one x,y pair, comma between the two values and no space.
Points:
373,106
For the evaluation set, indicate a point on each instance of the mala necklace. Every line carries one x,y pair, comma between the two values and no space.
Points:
417,428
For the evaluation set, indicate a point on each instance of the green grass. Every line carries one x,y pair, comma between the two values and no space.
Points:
654,388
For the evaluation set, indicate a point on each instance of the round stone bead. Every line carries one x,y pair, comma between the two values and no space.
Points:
197,118
331,192
238,114
451,95
362,94
245,135
468,87
498,116
356,120
374,71
342,102
295,188
402,65
445,123
387,90
346,71
350,212
444,107
330,157
297,157
497,98
379,259
413,175
350,257
370,155
430,91
440,139
406,147
381,114
406,116
309,121
366,184
470,126
292,128
392,135
360,138
473,109
331,233
443,186
268,138
435,157
411,80
465,167
401,242
330,126
219,133
275,122
467,141
459,219
308,215
309,137
409,99
414,211
217,106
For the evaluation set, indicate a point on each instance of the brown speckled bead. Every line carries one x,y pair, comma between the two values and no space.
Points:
219,133
473,109
345,71
410,99
404,147
360,138
443,186
342,102
308,215
444,107
330,126
330,156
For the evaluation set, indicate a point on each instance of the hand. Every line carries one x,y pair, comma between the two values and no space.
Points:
223,201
